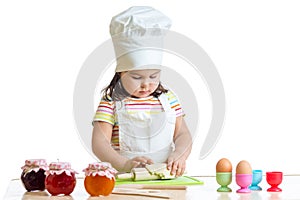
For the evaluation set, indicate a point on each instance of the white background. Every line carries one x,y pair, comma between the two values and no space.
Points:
255,46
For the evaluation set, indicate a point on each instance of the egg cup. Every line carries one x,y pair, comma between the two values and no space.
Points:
274,179
256,179
244,181
224,179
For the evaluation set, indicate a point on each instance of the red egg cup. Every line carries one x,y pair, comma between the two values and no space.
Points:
274,179
244,181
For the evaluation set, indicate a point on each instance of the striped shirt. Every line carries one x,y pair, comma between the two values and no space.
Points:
151,105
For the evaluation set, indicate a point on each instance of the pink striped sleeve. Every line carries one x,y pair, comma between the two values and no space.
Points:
175,103
105,112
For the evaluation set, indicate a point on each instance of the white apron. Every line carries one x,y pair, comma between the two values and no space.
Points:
142,134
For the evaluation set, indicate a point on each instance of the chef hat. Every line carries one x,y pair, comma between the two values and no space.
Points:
137,35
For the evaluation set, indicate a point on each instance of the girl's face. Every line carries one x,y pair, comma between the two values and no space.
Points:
140,83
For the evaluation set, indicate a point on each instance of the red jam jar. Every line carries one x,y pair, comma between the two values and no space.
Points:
99,179
33,174
60,178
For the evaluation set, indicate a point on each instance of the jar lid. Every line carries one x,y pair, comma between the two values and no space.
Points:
101,169
59,168
59,165
35,164
99,166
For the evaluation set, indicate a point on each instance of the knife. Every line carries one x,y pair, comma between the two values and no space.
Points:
146,193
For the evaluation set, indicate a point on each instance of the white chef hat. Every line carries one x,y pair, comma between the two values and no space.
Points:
137,35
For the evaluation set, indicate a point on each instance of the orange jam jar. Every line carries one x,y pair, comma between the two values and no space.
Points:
33,174
60,178
99,179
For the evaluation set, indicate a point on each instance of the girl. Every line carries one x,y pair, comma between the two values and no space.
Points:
138,120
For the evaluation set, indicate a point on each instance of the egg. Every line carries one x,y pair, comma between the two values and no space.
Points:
224,165
243,167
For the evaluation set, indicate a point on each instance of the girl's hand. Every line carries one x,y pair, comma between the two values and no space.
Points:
176,165
139,161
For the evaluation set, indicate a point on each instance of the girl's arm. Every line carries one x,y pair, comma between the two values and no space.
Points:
101,147
183,146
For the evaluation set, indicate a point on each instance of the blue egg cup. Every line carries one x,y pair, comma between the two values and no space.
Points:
256,179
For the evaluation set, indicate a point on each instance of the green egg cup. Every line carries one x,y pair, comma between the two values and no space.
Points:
224,179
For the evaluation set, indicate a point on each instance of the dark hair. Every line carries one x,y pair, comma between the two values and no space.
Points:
116,92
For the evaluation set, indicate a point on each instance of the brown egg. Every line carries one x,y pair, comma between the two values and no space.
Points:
224,165
243,167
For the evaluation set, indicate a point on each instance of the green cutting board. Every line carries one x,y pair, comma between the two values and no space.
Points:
182,180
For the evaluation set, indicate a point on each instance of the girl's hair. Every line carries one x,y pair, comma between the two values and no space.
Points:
116,92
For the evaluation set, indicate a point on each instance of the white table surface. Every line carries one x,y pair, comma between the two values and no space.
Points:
290,191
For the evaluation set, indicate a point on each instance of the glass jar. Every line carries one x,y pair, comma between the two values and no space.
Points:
33,174
60,178
99,179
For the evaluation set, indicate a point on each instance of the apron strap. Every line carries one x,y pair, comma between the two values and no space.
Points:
119,105
163,98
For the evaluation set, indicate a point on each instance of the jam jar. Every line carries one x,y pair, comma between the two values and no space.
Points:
99,178
33,174
60,178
